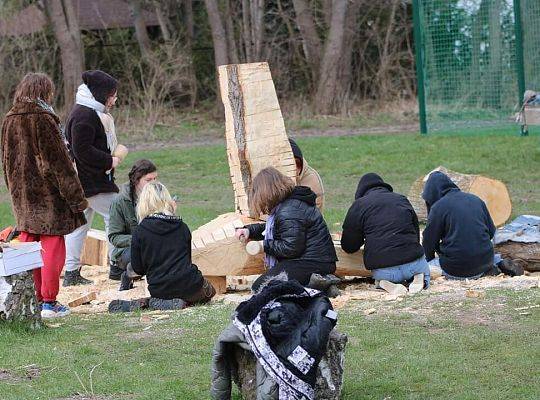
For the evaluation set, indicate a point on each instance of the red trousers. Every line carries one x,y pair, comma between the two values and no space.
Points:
47,278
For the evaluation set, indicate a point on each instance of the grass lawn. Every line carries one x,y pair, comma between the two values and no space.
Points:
199,174
425,347
477,348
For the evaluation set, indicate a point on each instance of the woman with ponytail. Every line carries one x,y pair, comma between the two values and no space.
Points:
123,220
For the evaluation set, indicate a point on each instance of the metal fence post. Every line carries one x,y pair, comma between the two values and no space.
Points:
419,59
520,69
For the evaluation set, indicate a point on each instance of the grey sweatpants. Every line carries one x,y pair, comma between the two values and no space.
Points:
100,203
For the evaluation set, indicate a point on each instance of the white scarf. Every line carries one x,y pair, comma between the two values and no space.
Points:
85,98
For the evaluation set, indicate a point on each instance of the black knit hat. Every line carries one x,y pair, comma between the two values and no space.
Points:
101,84
297,153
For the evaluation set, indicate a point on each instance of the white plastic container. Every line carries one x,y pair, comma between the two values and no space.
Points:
20,257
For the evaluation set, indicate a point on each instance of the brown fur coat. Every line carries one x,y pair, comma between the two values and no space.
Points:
46,194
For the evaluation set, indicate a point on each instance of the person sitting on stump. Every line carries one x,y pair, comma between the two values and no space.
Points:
459,229
296,240
161,251
388,225
47,197
306,175
123,219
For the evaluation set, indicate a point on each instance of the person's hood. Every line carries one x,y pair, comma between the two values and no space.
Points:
304,169
124,192
100,83
161,224
305,194
436,187
368,182
27,107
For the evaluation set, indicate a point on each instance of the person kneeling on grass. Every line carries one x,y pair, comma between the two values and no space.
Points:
460,229
161,251
123,220
297,242
388,225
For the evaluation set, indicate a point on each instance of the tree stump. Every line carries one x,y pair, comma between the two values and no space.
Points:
493,192
18,299
329,373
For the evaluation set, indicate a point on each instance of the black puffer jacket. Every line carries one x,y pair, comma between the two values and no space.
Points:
387,223
300,232
459,228
161,250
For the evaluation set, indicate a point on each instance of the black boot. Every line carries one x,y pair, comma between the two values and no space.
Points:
117,306
126,282
509,267
74,278
115,272
161,304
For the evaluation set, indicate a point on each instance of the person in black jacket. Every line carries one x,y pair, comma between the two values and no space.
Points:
91,148
161,250
386,222
297,242
459,229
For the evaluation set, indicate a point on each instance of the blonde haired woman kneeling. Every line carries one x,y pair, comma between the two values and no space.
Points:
161,250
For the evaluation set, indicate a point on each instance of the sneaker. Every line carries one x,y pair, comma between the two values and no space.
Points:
162,304
115,272
510,267
54,310
393,288
126,283
117,306
74,278
417,284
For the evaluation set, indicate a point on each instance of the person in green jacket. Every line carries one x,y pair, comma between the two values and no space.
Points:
123,220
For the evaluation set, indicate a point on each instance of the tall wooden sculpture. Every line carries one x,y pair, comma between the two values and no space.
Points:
256,138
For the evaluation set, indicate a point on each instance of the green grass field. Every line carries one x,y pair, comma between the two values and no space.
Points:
462,348
200,176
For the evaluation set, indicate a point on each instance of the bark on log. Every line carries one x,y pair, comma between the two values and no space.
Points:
329,373
254,127
527,255
18,299
493,192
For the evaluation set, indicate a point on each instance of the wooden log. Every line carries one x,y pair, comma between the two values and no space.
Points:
79,301
493,192
95,250
329,372
218,282
527,255
254,127
217,252
18,299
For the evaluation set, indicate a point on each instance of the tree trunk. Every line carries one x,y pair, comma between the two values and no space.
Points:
219,36
257,28
246,29
328,85
140,28
163,20
231,39
345,76
63,18
383,78
18,300
311,41
190,33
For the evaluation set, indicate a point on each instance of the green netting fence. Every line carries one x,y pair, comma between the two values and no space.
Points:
474,60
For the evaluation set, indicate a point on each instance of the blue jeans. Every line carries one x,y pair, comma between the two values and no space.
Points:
437,263
404,272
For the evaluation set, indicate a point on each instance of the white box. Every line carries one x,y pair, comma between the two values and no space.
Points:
20,257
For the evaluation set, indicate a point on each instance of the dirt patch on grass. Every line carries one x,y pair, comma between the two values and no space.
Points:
31,372
94,397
